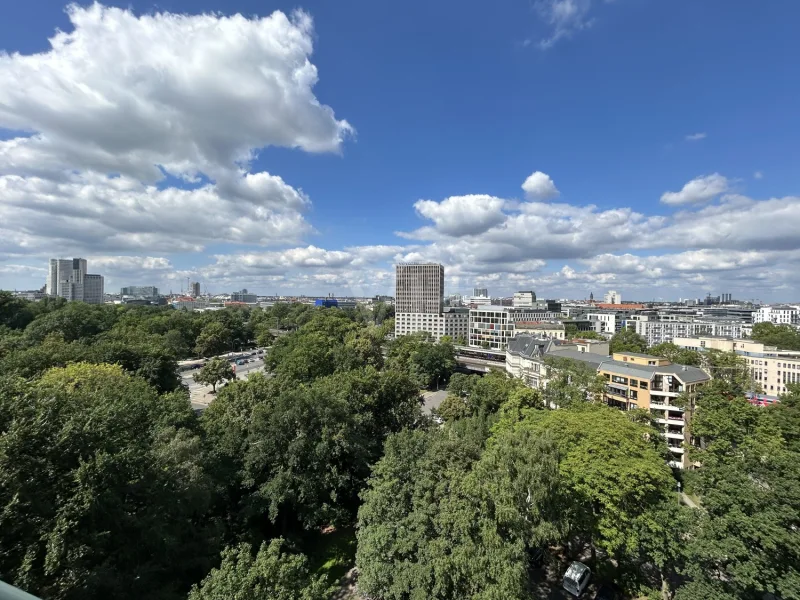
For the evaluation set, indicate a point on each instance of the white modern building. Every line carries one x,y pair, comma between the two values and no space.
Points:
493,326
613,297
68,279
657,330
524,299
778,315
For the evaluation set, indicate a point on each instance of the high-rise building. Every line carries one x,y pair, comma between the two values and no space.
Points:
613,297
195,289
140,291
93,289
480,292
419,297
67,278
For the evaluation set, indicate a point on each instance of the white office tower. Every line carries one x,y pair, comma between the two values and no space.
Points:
419,297
68,279
613,297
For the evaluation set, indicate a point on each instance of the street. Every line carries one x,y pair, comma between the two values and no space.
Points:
201,396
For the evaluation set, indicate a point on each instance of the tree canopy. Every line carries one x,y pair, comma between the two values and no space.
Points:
112,487
627,340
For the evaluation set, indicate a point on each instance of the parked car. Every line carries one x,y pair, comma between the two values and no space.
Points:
577,578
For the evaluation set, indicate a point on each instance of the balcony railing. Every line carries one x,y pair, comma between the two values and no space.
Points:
661,406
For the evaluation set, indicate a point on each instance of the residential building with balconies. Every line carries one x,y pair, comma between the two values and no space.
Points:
654,384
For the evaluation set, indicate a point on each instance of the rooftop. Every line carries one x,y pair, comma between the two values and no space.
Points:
591,358
684,373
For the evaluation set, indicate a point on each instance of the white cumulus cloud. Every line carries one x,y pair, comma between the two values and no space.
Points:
463,215
700,189
539,186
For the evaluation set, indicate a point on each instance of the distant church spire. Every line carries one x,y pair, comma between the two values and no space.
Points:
591,296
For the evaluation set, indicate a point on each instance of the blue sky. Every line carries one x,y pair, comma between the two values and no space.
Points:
162,144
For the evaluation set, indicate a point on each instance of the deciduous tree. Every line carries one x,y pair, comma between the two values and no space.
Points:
215,371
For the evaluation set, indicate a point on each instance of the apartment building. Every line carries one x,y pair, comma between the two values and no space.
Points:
493,326
613,297
666,328
419,299
526,353
654,384
778,315
68,278
772,369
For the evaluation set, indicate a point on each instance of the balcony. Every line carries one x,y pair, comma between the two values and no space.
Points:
675,464
661,406
615,390
676,449
673,436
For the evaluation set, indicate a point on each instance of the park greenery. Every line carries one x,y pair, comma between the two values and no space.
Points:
111,486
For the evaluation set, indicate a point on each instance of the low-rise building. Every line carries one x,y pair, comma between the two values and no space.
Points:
554,331
526,354
666,328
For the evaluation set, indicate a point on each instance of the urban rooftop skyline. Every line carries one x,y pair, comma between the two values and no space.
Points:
562,146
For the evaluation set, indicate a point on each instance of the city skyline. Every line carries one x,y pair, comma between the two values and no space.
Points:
566,152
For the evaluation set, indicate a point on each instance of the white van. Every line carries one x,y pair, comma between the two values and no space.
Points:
577,578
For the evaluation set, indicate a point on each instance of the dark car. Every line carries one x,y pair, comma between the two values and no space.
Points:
608,591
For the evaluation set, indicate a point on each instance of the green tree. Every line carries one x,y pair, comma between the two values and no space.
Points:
612,473
102,492
744,542
439,522
728,370
264,337
429,363
215,371
271,574
785,337
627,340
674,354
214,339
471,395
570,383
298,455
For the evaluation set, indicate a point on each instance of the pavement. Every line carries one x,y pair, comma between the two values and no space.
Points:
201,396
432,400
